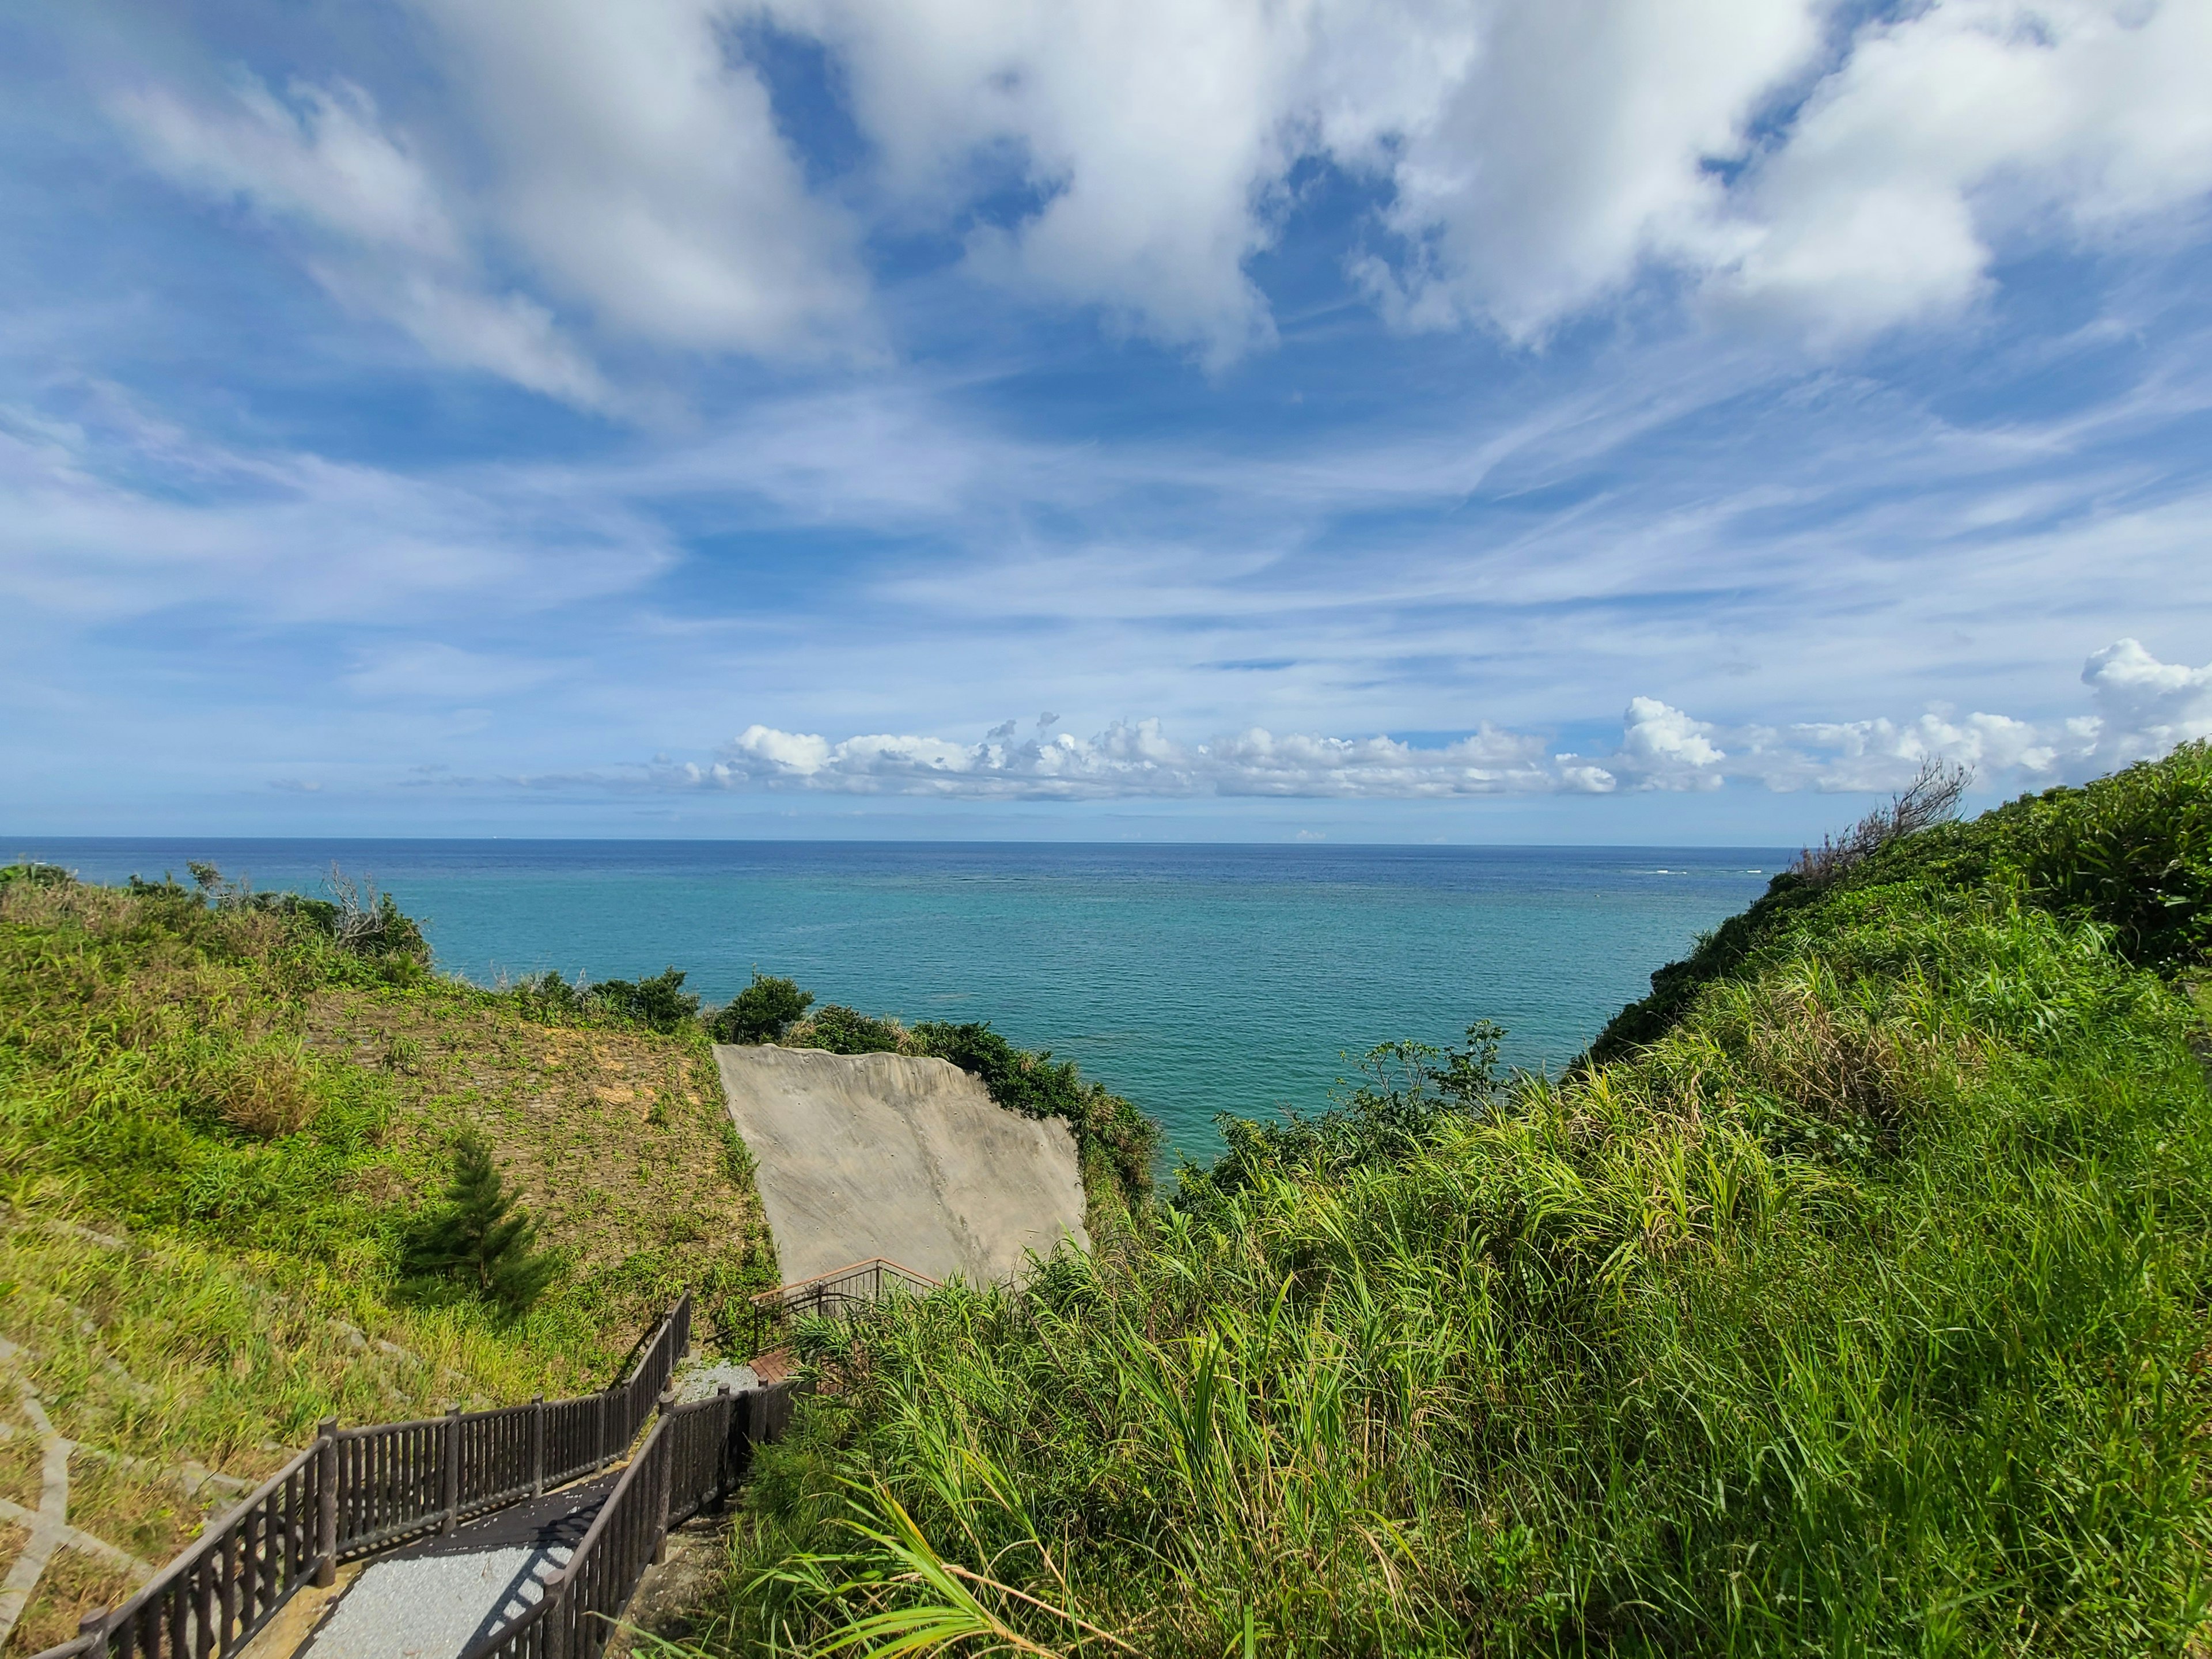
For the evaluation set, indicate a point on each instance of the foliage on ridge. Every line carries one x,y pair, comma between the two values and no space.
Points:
1860,1310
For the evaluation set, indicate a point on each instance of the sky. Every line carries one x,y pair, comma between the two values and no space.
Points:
1372,420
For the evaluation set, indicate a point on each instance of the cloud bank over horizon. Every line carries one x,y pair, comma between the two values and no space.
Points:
2144,708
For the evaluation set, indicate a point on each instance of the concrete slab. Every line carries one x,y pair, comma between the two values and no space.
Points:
867,1155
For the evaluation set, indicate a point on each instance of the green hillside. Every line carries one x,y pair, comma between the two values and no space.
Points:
1851,1298
222,1114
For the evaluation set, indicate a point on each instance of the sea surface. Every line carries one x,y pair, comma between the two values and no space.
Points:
1196,979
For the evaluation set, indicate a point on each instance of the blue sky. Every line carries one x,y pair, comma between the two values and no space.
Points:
1368,419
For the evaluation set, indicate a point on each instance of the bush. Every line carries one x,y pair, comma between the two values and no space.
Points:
761,1012
845,1031
660,1003
1410,1088
268,1090
1030,1083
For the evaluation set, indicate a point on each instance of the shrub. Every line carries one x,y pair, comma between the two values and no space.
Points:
845,1031
1408,1089
1020,1080
1931,798
659,1003
761,1012
36,874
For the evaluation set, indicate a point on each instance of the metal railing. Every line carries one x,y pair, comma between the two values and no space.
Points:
359,1490
834,1295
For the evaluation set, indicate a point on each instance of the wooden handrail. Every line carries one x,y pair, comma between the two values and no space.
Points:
362,1489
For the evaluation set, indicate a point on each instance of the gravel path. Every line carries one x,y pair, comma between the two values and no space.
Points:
436,1599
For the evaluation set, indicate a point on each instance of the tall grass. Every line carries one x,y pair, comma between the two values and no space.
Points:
1862,1311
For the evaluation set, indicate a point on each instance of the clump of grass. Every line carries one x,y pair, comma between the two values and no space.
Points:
1860,1310
266,1092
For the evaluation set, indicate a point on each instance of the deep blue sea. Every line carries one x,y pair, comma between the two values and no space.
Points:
1194,980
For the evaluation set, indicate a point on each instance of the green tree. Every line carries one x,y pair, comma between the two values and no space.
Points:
761,1012
480,1238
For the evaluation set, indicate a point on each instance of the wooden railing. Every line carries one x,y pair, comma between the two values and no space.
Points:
358,1490
692,1460
835,1295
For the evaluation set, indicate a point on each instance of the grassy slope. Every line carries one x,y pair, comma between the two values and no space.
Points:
1858,1306
188,1291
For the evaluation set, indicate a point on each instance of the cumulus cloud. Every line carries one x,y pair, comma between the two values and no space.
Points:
1132,758
1531,159
2146,706
1955,126
638,165
1534,158
1537,157
379,234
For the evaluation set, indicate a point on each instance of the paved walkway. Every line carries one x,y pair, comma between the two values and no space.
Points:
437,1599
867,1155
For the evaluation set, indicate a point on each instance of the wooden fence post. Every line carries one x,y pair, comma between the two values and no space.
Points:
666,1404
450,1489
537,1445
92,1631
599,1433
326,1505
726,1414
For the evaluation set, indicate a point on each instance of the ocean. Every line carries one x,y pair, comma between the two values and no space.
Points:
1196,979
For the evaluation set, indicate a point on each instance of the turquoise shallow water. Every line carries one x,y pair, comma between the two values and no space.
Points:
1194,980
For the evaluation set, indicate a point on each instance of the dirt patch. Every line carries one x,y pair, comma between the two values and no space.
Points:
669,1598
614,1140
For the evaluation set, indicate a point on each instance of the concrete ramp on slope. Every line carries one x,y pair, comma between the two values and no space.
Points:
868,1155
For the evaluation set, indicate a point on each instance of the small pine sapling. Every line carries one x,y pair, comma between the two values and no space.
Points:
480,1237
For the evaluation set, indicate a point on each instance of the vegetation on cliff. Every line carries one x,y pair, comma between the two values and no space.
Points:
1850,1299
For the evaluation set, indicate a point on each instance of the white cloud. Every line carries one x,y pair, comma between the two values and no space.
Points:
381,237
2147,707
1539,155
2144,706
1537,158
1664,748
640,168
1964,123
1134,758
117,515
1574,149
